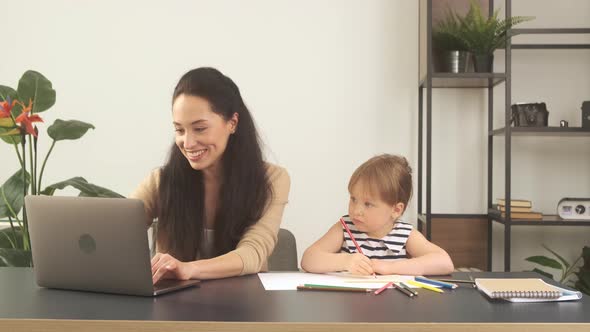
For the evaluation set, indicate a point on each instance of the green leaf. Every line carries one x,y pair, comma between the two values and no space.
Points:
584,276
583,288
86,189
10,132
545,261
9,139
15,257
71,129
7,123
6,91
483,34
561,259
7,233
13,189
34,86
543,273
586,255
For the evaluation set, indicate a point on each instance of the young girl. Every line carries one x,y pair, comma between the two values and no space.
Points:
379,193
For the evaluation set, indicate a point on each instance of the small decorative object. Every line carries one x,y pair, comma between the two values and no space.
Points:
530,115
574,208
483,34
563,124
586,114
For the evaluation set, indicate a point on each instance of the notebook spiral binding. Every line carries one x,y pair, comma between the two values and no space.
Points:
527,294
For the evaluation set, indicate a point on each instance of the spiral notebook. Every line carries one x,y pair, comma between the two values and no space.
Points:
524,290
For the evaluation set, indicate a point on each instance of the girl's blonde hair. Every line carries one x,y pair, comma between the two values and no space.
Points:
386,176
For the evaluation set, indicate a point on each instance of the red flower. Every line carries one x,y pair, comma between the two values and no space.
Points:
26,120
6,106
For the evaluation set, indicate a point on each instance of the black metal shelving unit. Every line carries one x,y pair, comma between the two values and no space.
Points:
428,82
486,81
508,132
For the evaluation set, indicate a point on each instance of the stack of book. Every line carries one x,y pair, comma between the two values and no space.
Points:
519,209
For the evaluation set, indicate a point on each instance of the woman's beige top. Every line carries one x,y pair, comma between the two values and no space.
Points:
260,239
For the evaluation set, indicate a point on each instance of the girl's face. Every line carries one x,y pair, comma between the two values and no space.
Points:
201,134
370,214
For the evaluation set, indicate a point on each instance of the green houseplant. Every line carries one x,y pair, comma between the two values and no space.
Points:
19,112
567,269
483,35
450,50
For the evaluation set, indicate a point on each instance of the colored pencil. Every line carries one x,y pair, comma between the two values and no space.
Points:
436,283
403,290
425,286
457,281
377,292
312,287
358,248
409,288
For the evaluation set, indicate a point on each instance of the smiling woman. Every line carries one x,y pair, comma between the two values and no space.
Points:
219,205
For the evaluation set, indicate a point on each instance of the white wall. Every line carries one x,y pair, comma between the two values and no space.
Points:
330,84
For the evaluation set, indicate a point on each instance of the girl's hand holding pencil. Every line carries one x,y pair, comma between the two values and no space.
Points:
359,264
358,248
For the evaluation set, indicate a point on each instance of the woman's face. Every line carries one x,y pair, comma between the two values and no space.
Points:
201,134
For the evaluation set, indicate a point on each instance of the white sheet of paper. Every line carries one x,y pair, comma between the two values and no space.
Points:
290,280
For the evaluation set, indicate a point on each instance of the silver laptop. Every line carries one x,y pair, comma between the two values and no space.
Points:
93,244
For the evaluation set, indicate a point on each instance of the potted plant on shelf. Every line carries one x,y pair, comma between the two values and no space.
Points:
450,50
568,270
483,35
19,113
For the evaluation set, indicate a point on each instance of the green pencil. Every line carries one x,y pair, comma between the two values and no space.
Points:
316,287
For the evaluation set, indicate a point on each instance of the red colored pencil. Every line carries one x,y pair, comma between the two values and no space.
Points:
377,292
358,248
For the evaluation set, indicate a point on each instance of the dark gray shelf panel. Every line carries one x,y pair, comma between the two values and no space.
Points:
551,46
548,220
543,131
551,31
422,216
464,80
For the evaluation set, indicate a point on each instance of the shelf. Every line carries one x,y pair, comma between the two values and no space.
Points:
464,80
422,216
551,46
543,131
550,31
548,220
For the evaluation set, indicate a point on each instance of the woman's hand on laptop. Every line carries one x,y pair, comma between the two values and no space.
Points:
164,266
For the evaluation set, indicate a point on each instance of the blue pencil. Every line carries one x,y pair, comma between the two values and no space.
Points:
436,283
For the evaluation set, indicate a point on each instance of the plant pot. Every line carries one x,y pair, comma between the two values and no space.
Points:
15,257
452,61
483,63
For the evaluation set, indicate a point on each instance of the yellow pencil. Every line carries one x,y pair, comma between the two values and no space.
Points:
425,286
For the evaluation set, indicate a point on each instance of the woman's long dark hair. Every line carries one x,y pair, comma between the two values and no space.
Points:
245,188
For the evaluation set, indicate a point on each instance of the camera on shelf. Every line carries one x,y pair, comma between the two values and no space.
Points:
530,115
